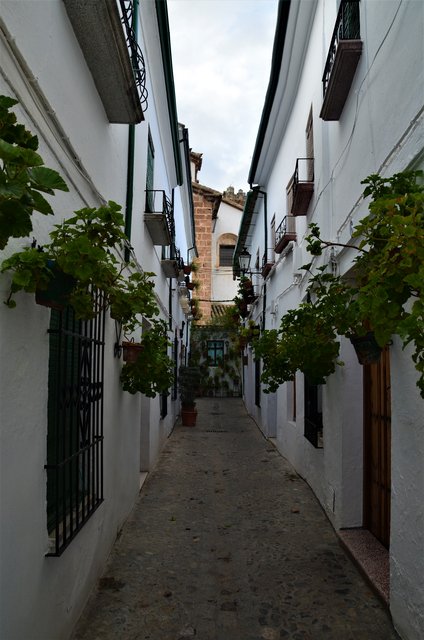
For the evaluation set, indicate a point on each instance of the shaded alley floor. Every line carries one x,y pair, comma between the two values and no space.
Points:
226,542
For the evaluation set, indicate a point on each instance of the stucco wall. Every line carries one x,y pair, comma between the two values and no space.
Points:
375,133
42,597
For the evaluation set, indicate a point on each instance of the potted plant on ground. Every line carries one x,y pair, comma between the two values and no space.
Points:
188,382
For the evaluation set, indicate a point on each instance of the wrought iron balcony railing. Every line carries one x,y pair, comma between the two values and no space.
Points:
136,55
301,187
285,233
268,262
159,217
105,32
342,60
172,262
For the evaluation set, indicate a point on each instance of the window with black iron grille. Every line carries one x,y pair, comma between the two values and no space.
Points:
175,359
215,352
226,253
75,424
258,382
313,414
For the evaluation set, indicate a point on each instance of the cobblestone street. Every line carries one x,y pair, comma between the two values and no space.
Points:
226,542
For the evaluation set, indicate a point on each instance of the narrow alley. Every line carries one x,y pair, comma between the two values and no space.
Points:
227,542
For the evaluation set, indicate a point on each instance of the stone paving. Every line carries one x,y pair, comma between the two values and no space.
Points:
226,542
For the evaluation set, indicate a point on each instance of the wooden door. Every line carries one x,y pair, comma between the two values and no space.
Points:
377,446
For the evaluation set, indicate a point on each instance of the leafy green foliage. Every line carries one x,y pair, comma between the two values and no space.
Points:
152,373
306,341
23,178
188,384
30,270
387,296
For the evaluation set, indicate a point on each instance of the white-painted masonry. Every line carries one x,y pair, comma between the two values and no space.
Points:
380,130
43,67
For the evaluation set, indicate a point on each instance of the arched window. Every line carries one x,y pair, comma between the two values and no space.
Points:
226,246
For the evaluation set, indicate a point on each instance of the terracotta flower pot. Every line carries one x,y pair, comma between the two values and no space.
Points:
131,351
188,416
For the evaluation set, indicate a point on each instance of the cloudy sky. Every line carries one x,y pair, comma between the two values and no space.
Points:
221,52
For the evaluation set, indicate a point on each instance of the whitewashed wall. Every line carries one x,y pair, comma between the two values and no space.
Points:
42,597
377,132
227,222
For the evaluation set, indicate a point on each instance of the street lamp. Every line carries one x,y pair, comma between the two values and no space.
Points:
244,260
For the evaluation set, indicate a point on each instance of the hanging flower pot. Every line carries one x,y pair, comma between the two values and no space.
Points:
56,294
131,351
190,286
243,310
187,269
367,349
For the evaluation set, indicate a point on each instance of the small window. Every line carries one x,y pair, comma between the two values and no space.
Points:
313,414
215,352
226,252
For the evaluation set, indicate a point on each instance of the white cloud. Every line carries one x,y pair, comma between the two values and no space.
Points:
221,52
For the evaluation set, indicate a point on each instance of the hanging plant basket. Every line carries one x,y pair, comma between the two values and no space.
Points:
367,349
131,351
187,269
57,293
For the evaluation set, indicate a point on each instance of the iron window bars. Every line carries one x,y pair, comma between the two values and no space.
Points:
136,55
75,424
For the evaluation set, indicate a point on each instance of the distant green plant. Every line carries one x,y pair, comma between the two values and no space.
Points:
152,373
23,177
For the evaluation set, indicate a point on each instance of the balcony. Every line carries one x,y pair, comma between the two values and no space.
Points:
159,217
301,187
342,60
171,262
267,262
108,42
285,233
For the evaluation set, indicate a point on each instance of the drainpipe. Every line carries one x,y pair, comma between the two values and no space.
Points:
131,152
266,251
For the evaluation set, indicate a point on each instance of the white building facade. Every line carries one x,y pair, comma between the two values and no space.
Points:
105,116
374,125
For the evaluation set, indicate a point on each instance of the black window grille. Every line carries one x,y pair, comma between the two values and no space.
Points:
258,382
313,414
164,404
175,359
75,424
226,253
215,352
